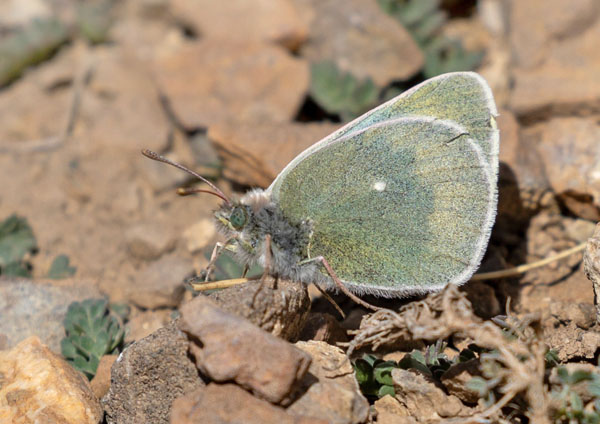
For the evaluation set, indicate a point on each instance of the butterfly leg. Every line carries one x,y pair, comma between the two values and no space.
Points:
217,250
330,300
341,285
267,268
245,270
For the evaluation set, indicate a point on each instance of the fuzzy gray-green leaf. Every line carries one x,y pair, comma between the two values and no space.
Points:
60,268
16,240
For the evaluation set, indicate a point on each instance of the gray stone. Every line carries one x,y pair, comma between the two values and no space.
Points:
39,307
148,376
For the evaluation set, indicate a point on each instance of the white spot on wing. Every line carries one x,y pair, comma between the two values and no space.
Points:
379,185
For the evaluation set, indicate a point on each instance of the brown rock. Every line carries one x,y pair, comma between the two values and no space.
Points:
483,298
144,323
522,179
101,381
230,404
569,152
591,264
160,284
39,307
228,347
361,39
39,386
121,85
242,20
214,80
456,379
546,236
335,396
35,123
148,376
570,341
423,399
579,230
162,177
148,241
279,308
199,235
537,25
557,72
323,327
390,411
255,153
581,314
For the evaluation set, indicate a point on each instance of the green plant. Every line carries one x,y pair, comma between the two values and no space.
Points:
424,20
570,405
16,240
339,92
30,45
61,268
374,376
93,328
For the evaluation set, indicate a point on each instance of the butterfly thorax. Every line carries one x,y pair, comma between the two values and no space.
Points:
246,225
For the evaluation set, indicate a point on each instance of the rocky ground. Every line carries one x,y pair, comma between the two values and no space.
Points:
236,100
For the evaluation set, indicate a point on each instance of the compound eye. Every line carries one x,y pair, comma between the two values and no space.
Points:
238,218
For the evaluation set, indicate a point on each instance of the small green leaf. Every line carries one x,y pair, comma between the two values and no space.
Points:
576,402
383,372
414,360
386,390
363,371
580,375
594,387
16,240
92,331
418,356
60,268
31,44
67,349
478,385
101,344
16,269
563,375
86,343
370,359
551,358
89,368
338,92
121,310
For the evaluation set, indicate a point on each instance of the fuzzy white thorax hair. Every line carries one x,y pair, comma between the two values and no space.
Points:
256,199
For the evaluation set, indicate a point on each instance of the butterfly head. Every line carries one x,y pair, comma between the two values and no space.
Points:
233,217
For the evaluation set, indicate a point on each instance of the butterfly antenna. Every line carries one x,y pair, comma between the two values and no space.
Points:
188,191
217,192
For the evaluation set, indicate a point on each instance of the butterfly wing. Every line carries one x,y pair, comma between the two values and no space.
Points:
399,205
461,97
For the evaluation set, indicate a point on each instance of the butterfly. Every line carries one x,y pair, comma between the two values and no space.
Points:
399,201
